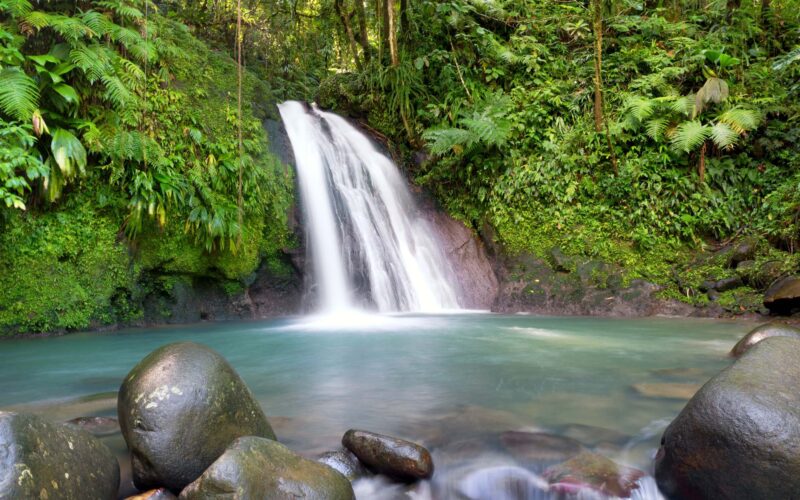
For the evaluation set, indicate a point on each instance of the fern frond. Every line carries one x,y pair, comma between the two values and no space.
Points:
785,61
98,22
683,105
487,130
19,94
655,128
447,140
724,136
125,36
116,92
17,8
640,108
741,120
92,59
121,9
688,135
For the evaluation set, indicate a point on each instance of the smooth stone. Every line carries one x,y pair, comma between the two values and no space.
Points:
343,462
96,426
263,469
666,390
760,333
593,472
397,458
783,296
179,409
726,284
743,251
157,494
539,446
44,460
738,436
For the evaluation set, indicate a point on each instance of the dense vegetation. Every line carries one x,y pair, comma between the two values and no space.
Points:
637,133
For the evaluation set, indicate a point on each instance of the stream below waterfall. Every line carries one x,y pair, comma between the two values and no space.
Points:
455,383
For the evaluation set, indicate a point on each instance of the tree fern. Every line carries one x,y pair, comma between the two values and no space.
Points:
448,140
724,136
656,127
741,120
688,135
122,9
116,92
91,59
17,8
19,95
98,22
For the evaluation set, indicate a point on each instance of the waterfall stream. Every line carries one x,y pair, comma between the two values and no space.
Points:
370,247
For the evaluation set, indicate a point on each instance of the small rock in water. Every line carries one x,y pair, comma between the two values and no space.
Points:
179,409
667,390
96,426
159,494
591,435
263,469
343,462
539,446
760,333
397,458
593,472
40,459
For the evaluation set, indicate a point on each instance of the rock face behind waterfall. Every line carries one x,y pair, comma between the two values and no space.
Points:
739,436
179,408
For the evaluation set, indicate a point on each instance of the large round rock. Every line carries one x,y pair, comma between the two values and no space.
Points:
783,296
179,408
40,459
393,457
739,436
760,333
263,469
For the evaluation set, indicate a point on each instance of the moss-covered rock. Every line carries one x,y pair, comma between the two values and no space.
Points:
263,469
179,408
40,459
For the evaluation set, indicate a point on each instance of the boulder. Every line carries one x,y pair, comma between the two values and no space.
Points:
96,426
179,409
726,284
397,458
158,494
738,436
666,390
41,459
264,469
760,333
344,462
743,251
783,296
767,273
593,472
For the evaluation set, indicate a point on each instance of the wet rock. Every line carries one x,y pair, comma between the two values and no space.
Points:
264,469
783,296
667,390
762,332
726,284
738,436
96,426
344,462
743,251
591,435
505,482
179,409
768,273
746,270
40,459
539,446
158,494
397,458
590,471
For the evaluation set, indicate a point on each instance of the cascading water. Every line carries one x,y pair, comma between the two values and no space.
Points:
368,244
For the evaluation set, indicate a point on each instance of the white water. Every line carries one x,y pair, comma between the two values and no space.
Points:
369,245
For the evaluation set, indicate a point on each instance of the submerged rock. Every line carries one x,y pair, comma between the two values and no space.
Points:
783,296
264,469
593,472
179,409
667,390
397,458
159,494
40,459
760,333
96,426
539,446
344,463
738,436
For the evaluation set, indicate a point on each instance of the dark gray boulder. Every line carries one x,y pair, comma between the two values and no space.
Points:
40,459
760,333
96,426
158,494
179,409
738,436
345,463
258,468
783,296
397,458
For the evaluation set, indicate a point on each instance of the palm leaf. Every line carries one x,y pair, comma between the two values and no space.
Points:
741,120
688,135
19,94
724,136
655,128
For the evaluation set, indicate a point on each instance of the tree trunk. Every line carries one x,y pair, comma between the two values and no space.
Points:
391,23
701,165
404,20
597,12
384,9
363,39
351,38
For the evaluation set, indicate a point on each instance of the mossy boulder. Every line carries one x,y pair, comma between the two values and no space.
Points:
590,472
783,296
263,469
397,458
179,409
738,436
41,459
343,462
760,333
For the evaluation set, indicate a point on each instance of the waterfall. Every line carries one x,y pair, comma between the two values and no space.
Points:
369,245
